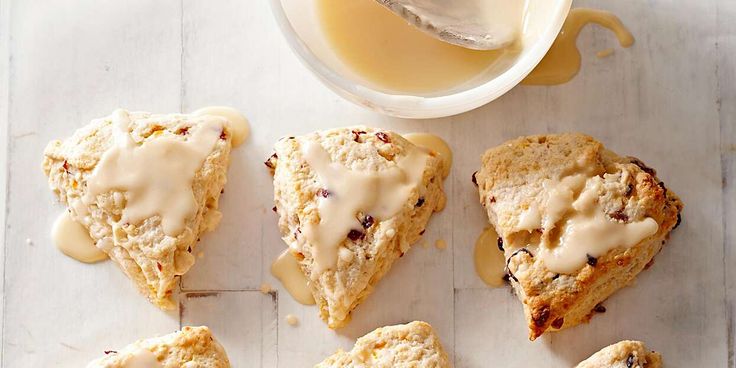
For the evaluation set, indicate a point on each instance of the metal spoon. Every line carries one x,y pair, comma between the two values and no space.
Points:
473,24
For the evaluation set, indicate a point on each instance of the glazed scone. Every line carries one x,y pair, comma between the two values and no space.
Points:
624,354
413,345
146,187
577,222
350,202
192,347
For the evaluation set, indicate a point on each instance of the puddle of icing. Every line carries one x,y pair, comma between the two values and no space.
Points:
489,261
292,320
433,143
386,50
286,269
238,124
381,194
155,176
73,240
563,60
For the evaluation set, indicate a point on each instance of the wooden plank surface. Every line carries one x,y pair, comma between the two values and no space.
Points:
669,100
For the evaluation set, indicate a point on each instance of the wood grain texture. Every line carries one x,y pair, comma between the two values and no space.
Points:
669,100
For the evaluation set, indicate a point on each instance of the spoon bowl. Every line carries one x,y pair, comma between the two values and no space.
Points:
473,24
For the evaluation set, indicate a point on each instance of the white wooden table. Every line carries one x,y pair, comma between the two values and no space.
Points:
670,100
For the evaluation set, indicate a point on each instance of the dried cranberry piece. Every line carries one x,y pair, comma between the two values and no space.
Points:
558,323
592,260
420,202
322,192
629,190
367,221
356,235
679,220
499,242
110,352
541,317
599,308
383,137
619,216
159,266
269,163
475,181
356,135
630,361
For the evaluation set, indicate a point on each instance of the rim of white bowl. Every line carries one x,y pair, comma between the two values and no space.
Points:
422,107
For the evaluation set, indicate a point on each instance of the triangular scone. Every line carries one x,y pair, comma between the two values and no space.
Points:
577,222
192,347
146,187
413,345
350,202
624,354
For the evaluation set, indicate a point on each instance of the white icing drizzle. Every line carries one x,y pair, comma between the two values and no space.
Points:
155,176
73,240
573,204
286,269
142,358
238,124
381,194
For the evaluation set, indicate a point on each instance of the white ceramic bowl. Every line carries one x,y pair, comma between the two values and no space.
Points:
298,20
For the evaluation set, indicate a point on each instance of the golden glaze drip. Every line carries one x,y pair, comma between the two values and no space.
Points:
488,259
433,143
238,124
286,269
563,59
73,240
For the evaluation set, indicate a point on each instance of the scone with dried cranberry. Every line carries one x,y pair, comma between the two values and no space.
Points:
350,202
577,222
624,354
145,186
192,347
412,345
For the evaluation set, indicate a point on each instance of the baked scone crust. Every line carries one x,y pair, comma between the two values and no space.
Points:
148,256
623,354
510,180
192,347
296,187
412,345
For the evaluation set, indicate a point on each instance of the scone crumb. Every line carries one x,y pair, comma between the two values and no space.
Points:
266,288
440,244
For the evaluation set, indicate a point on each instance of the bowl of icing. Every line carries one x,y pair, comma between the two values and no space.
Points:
375,59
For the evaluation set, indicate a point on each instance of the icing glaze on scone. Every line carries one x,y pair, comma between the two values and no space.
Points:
346,193
577,222
350,202
145,186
